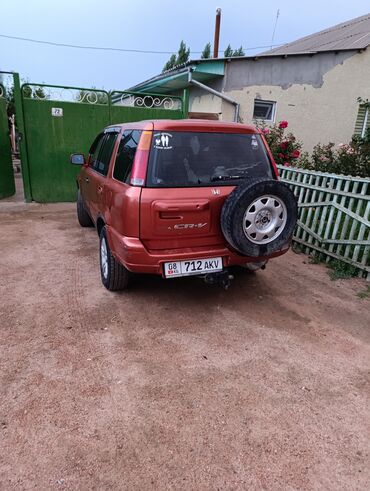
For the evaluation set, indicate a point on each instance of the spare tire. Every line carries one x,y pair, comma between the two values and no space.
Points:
259,216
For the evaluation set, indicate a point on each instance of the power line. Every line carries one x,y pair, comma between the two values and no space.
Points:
108,48
273,32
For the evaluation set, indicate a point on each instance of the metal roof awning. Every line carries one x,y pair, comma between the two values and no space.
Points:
174,80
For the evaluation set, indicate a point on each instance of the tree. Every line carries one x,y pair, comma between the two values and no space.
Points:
239,52
170,63
183,55
206,53
93,96
10,106
30,92
228,53
34,92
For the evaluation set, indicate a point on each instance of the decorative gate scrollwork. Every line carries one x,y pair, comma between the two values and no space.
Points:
145,101
64,94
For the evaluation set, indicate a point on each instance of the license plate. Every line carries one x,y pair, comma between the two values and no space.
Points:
175,269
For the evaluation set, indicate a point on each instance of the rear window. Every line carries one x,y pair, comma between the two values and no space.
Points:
185,159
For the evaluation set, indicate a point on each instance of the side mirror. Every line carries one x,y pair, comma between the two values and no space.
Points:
77,159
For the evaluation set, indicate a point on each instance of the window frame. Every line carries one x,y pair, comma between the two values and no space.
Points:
98,138
127,130
365,123
150,185
263,101
106,134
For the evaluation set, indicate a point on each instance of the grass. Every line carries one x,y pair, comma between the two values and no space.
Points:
340,270
365,293
314,259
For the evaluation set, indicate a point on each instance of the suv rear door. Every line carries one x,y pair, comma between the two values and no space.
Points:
189,176
174,220
85,183
125,199
99,171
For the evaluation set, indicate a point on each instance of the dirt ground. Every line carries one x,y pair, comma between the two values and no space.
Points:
175,384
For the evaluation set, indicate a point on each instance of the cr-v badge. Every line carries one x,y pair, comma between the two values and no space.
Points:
189,225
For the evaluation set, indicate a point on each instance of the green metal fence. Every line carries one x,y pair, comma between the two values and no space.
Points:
57,122
7,186
61,120
334,215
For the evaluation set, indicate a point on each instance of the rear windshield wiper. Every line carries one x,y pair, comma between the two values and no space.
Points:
226,178
245,167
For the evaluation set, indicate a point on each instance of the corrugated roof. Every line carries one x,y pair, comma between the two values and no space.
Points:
350,35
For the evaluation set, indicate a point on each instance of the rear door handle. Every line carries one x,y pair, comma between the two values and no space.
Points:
99,189
180,206
168,216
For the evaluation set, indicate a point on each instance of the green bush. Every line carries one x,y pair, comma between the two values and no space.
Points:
348,158
340,270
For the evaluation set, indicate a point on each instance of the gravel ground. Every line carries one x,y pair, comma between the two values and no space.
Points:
175,384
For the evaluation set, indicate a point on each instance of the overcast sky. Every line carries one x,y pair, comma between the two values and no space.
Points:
149,25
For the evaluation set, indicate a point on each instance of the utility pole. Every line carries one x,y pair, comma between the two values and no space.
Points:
217,33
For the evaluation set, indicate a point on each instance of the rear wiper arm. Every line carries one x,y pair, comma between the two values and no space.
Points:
226,178
246,166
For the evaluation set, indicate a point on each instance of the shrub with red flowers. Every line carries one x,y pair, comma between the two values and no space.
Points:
348,158
284,147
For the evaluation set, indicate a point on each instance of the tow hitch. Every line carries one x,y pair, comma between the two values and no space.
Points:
223,279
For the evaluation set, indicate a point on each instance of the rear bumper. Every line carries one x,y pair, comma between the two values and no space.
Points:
131,252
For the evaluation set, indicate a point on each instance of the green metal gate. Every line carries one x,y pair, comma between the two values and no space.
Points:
61,120
131,106
57,122
7,186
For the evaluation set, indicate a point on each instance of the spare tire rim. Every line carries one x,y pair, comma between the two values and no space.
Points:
104,258
264,219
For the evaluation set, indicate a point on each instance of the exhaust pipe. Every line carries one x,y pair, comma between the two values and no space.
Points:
223,279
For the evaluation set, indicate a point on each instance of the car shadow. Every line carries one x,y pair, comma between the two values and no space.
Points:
195,290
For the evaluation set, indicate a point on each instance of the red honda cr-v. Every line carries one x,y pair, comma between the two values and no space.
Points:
179,198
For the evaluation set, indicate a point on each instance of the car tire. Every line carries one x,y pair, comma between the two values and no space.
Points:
83,217
258,218
114,275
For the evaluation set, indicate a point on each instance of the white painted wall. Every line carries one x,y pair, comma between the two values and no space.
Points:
200,101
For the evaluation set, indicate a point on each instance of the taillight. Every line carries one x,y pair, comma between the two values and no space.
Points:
140,165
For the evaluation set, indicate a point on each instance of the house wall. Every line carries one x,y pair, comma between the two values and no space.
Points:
200,101
316,94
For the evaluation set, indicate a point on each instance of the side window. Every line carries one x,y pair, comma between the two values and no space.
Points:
101,164
95,149
362,121
264,110
126,154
